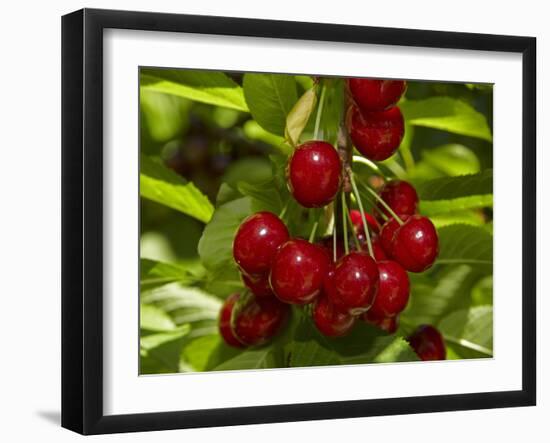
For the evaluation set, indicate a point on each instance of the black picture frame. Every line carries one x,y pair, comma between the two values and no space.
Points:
82,220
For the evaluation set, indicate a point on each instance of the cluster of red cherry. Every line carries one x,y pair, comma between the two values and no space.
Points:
343,282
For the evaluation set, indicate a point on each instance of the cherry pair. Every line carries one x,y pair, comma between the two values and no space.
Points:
375,125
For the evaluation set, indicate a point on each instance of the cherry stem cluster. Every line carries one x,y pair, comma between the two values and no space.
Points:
362,211
383,203
319,111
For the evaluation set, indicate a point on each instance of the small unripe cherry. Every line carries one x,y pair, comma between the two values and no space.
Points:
314,173
259,320
416,244
224,322
376,135
257,240
376,95
352,284
400,196
298,271
328,320
428,343
393,290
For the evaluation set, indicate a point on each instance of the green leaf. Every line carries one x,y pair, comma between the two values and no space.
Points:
265,193
160,184
446,188
255,132
298,117
435,207
252,359
216,243
186,306
433,297
270,98
458,217
471,329
214,88
451,160
197,353
154,273
160,353
364,344
152,318
465,244
447,114
482,292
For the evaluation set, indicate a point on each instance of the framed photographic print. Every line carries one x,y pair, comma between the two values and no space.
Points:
270,221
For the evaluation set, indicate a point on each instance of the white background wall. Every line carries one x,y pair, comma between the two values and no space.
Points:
30,191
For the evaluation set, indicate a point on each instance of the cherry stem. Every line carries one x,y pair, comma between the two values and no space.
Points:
283,211
334,241
355,238
344,222
362,211
313,231
381,200
319,112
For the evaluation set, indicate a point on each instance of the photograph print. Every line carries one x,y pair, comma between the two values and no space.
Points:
292,221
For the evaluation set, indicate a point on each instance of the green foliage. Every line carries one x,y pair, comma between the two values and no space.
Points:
214,88
158,183
445,153
270,98
447,114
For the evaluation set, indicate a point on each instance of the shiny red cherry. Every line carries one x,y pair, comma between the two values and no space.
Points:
298,271
376,95
259,320
400,196
314,174
258,284
330,321
257,240
224,322
428,343
376,135
353,283
377,249
387,234
388,324
393,290
415,244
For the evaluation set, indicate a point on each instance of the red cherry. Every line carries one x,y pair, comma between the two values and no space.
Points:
376,95
357,221
377,249
393,290
298,271
224,322
388,324
353,283
257,240
329,321
428,343
387,234
314,174
258,284
376,135
415,244
259,320
400,196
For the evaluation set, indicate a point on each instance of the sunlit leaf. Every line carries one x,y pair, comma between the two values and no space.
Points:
447,114
470,328
298,117
270,98
160,184
214,88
